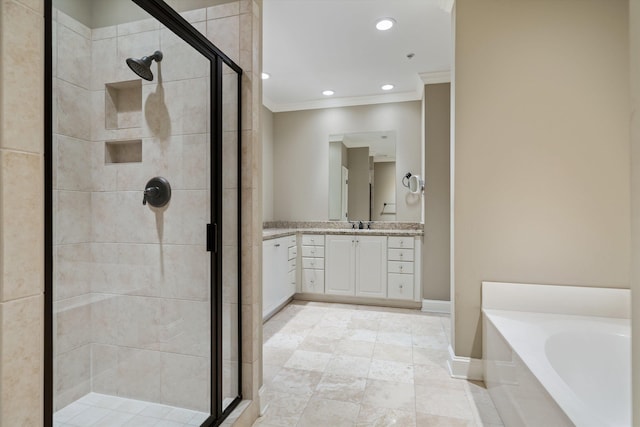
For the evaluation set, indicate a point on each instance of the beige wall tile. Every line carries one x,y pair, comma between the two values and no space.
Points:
104,367
73,24
74,57
73,105
73,218
73,327
73,270
73,375
224,33
73,161
21,126
180,61
36,5
21,224
21,358
185,381
138,374
223,10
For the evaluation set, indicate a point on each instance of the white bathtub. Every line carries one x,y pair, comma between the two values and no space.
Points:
546,369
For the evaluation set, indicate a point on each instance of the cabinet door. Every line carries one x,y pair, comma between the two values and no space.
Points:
371,266
339,265
276,287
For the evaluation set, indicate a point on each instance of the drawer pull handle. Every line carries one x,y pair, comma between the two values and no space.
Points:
401,286
277,245
401,254
401,268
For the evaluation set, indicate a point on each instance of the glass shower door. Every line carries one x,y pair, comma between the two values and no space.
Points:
144,294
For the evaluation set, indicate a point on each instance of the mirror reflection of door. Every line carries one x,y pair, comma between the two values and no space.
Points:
368,191
345,194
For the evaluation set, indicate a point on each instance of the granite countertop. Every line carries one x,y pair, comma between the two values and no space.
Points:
274,233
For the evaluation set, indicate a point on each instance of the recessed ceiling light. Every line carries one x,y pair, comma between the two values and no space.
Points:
327,92
265,76
385,23
387,87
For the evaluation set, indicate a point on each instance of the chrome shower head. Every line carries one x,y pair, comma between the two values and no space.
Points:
142,66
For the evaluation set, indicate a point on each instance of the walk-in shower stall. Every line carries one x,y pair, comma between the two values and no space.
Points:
142,208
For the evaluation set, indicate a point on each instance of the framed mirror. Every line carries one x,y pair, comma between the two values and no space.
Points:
362,176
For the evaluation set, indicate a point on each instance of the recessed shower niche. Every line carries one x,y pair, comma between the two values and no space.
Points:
123,104
123,151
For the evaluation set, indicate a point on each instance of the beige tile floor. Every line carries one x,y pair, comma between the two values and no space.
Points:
333,365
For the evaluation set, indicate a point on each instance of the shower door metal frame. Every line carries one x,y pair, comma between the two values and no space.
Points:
178,25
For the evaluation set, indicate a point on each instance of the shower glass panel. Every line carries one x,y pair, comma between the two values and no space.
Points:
230,249
143,169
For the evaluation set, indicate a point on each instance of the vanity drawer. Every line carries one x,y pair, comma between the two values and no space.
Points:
313,251
292,264
293,252
400,242
292,277
313,281
312,240
400,254
313,263
400,267
291,240
400,286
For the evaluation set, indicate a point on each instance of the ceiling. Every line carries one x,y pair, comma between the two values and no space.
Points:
313,45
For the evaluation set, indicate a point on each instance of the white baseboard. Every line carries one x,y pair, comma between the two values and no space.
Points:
436,306
465,367
263,403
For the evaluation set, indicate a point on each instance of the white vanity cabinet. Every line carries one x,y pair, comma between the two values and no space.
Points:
356,266
403,266
278,273
312,263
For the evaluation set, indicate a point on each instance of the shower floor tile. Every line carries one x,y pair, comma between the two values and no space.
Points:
101,410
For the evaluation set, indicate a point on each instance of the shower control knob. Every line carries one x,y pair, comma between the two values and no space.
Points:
157,192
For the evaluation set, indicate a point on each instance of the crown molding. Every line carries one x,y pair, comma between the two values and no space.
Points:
343,102
436,77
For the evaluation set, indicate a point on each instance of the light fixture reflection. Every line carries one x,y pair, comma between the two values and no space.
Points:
386,87
265,76
327,92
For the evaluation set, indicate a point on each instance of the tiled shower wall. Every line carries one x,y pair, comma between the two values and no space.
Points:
132,282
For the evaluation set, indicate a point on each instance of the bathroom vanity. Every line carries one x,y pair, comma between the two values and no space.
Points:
378,267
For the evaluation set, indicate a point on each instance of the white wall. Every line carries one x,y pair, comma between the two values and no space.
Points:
301,155
541,191
267,164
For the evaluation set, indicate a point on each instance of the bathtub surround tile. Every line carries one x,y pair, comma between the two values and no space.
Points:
21,222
